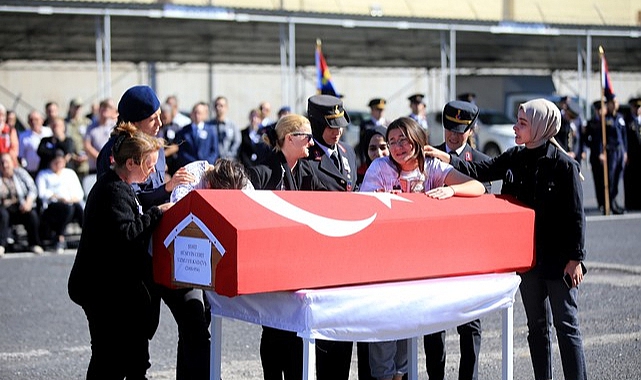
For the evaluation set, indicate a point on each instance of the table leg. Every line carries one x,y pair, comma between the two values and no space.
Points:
309,359
412,358
507,341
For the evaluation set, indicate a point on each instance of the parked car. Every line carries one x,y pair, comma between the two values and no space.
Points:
494,133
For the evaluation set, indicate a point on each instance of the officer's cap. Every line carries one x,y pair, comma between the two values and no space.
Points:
377,103
635,102
416,98
326,111
466,97
459,116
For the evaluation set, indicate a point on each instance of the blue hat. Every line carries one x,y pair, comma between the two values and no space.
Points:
138,103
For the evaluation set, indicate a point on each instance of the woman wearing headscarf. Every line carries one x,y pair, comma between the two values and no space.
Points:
541,175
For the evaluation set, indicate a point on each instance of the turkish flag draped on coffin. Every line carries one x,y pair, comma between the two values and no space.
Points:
243,242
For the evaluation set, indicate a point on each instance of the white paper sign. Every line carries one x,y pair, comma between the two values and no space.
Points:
192,260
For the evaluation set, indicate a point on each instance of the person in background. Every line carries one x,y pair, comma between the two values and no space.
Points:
18,194
58,142
168,132
30,141
77,125
98,133
253,150
178,117
616,144
52,111
140,106
61,195
198,140
14,122
229,137
281,351
265,110
407,170
543,177
377,109
459,119
117,231
376,147
9,142
335,165
632,170
417,105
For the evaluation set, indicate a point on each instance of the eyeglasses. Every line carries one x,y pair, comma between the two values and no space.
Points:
308,136
402,142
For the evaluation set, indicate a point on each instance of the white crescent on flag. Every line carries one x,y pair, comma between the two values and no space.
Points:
323,225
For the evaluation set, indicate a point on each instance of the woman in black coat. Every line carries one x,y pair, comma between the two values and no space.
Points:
281,351
545,178
112,269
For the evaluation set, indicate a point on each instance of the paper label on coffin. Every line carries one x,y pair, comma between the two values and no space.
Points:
288,240
194,251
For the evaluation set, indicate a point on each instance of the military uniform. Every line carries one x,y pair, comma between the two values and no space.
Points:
371,123
616,149
333,358
632,171
459,117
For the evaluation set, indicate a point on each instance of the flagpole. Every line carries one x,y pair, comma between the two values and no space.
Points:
318,72
602,114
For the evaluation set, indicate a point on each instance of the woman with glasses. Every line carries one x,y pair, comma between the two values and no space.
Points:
112,271
406,170
281,351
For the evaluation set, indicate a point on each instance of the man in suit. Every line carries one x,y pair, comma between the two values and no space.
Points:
459,118
335,165
198,140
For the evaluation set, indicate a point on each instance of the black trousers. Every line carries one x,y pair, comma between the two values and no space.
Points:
281,354
192,314
470,343
118,326
12,216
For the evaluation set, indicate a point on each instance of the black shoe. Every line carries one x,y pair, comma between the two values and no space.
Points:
616,209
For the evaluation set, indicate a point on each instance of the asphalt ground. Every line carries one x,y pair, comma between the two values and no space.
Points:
43,335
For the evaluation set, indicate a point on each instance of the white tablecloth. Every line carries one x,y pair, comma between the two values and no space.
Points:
374,312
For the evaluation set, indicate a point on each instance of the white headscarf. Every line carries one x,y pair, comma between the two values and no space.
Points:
545,121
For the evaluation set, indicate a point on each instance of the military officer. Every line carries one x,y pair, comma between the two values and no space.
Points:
459,118
335,165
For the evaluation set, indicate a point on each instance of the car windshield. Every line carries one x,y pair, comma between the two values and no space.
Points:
491,118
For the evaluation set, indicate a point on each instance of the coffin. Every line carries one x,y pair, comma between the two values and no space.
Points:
244,242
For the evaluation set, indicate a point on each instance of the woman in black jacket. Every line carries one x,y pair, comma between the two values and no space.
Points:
112,269
545,178
281,351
